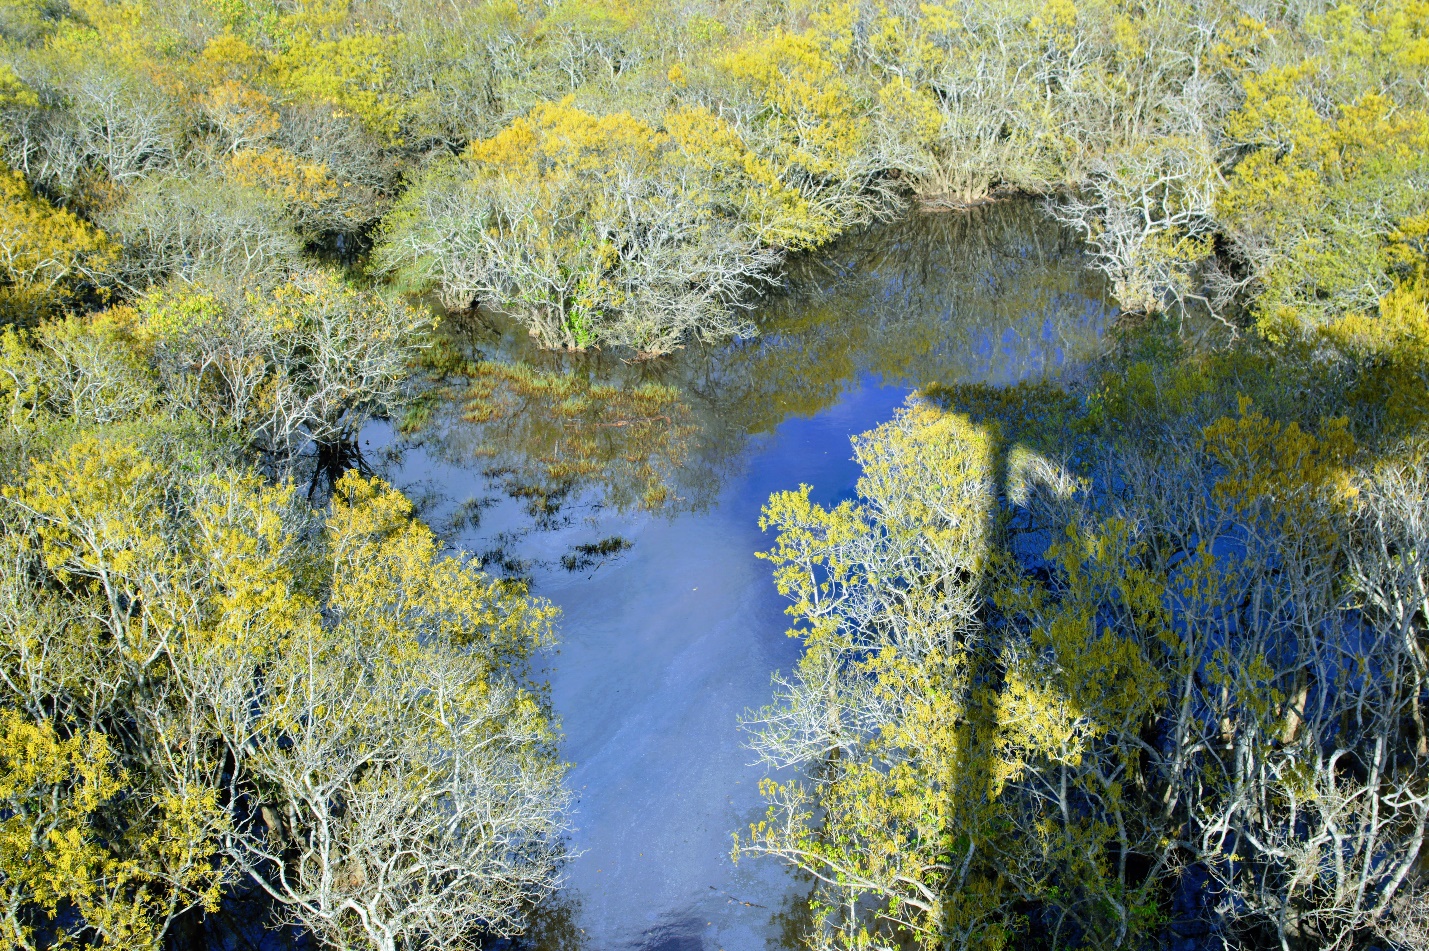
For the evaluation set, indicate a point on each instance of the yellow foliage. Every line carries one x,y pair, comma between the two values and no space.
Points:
966,768
1238,42
1399,331
228,59
1279,473
187,581
243,113
61,783
283,174
558,138
390,584
1405,26
349,73
100,516
61,788
13,91
1391,348
814,120
1055,23
751,185
50,257
1322,203
913,110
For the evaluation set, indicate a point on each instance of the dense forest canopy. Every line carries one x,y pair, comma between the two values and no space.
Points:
628,173
1085,665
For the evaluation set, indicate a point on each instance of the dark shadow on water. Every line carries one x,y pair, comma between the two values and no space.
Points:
330,462
795,918
551,466
552,927
679,934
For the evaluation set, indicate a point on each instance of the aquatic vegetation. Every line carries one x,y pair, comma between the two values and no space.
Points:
594,554
553,431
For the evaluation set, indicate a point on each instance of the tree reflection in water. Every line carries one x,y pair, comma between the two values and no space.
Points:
993,294
550,465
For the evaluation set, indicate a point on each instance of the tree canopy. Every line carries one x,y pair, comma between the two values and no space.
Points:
1081,662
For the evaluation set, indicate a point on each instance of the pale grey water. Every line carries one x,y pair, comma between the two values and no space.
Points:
664,646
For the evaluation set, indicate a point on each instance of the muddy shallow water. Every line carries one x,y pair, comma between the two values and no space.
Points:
672,628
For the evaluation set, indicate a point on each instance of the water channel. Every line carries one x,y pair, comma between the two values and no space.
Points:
671,627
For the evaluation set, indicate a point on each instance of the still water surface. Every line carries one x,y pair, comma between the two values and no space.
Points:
666,642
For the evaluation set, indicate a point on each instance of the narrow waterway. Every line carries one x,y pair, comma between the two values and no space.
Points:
671,627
